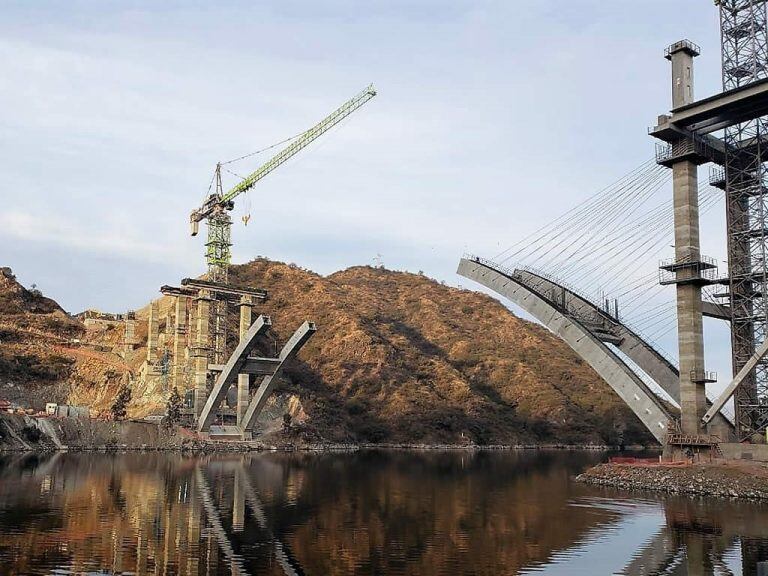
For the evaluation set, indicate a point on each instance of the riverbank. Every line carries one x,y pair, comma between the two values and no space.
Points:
20,433
721,479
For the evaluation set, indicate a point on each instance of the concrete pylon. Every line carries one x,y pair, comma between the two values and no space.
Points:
690,324
202,349
153,332
244,380
129,338
180,343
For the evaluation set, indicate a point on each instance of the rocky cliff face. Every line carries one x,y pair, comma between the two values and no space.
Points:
397,357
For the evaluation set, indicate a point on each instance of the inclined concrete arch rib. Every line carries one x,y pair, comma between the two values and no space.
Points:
291,348
620,377
610,329
231,369
661,370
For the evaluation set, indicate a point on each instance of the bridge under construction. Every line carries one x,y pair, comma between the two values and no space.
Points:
227,386
586,275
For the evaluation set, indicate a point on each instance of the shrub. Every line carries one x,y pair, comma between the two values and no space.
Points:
120,406
31,433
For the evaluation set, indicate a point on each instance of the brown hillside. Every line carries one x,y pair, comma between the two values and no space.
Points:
399,357
43,352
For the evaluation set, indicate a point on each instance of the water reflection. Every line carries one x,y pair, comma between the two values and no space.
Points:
362,513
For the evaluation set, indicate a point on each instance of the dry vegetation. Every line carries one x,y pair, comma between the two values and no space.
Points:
40,359
397,357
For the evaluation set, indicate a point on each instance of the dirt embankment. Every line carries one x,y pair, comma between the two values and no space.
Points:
732,479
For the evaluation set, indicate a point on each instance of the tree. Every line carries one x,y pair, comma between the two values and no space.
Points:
120,405
287,418
173,408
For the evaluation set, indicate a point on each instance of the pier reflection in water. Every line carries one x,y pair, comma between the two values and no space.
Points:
427,513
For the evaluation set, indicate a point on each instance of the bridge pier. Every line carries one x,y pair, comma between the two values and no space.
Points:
153,333
244,380
687,266
180,350
201,350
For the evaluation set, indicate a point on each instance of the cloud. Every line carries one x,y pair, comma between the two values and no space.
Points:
492,119
22,227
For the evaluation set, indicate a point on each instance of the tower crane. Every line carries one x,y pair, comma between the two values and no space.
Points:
216,206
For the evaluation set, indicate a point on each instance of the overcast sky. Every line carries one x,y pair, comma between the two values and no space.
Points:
491,119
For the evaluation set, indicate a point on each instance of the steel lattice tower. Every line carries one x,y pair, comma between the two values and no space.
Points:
218,255
744,41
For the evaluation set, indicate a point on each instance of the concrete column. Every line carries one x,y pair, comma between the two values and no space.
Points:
202,347
129,340
153,332
690,322
180,343
238,504
681,54
243,380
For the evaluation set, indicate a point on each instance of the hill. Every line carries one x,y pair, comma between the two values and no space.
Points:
398,357
44,352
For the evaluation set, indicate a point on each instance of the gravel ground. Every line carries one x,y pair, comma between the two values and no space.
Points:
731,479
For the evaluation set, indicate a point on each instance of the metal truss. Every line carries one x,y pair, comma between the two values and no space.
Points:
744,42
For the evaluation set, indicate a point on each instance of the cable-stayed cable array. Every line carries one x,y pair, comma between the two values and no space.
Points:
609,247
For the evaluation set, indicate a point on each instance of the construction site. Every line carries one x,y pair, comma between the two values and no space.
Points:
225,383
209,340
568,370
727,131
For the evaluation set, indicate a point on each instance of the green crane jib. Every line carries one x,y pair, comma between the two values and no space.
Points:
216,207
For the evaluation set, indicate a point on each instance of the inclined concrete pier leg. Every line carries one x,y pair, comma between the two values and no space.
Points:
690,332
202,346
180,343
244,380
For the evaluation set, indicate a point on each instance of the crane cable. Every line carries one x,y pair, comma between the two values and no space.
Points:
263,150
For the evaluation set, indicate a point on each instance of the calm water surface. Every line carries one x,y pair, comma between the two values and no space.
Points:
387,513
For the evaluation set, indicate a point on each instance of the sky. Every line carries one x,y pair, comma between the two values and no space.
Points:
491,119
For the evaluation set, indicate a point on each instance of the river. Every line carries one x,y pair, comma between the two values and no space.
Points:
368,512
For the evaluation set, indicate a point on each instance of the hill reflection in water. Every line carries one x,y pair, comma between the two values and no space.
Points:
371,512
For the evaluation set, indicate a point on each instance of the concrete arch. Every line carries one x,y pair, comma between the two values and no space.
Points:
622,379
611,330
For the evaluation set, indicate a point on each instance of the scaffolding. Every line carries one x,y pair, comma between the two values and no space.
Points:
218,254
744,40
